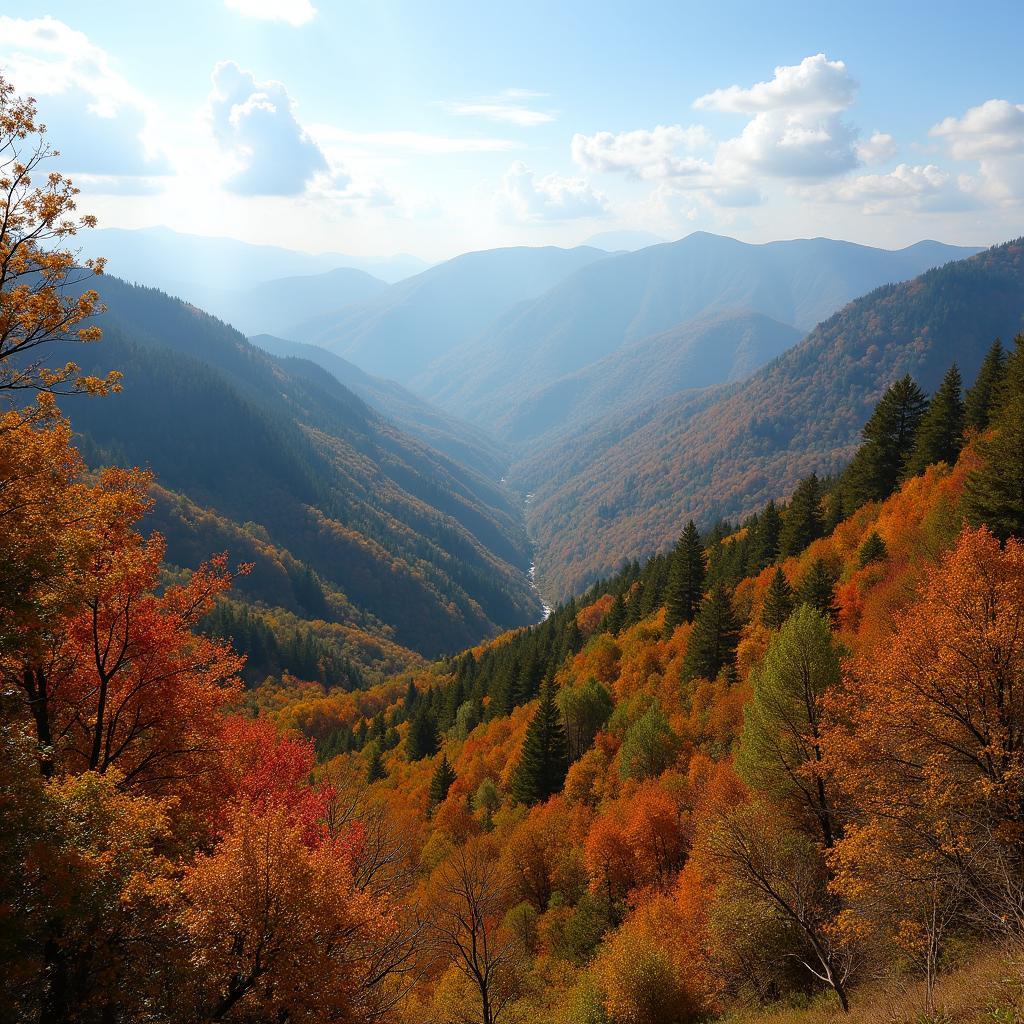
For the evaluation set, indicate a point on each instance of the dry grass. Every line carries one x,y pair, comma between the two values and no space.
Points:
989,989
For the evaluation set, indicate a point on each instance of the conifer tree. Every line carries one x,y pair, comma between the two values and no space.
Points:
616,617
769,533
818,589
982,396
421,740
872,550
803,520
685,579
888,435
544,759
778,601
716,632
995,490
440,783
940,435
374,763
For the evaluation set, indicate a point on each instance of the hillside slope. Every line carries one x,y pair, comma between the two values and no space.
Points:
635,295
622,492
407,535
423,318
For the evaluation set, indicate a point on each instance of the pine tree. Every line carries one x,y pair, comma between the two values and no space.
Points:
882,459
616,617
374,763
803,520
818,589
544,760
940,435
982,396
778,602
685,579
769,532
872,550
440,783
995,490
421,740
716,632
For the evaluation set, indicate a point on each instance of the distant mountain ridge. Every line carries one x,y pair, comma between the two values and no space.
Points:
624,298
624,488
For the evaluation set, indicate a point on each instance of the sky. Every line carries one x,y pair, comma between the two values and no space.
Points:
372,128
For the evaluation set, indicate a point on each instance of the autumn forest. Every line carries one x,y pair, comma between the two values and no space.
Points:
291,736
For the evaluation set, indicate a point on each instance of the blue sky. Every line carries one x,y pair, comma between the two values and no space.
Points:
433,128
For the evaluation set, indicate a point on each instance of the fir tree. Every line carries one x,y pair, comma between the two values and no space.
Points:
374,763
882,459
685,579
818,589
803,520
982,396
440,783
995,490
769,533
872,550
421,740
716,632
940,435
544,760
616,617
778,602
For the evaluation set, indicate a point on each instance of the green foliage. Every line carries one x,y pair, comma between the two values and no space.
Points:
781,722
648,747
716,632
441,781
872,550
374,762
486,800
884,457
421,740
818,589
983,395
803,521
685,579
544,759
778,601
585,707
939,438
995,491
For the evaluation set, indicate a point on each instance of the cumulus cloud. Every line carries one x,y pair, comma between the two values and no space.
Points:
97,119
293,12
551,197
926,188
507,107
645,153
256,123
877,149
815,84
992,134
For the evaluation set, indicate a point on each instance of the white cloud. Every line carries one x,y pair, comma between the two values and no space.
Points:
644,153
255,122
992,134
96,118
419,143
878,149
552,197
293,12
505,108
926,188
815,84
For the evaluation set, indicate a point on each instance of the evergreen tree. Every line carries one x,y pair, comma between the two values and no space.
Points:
982,396
412,696
421,740
685,579
882,459
544,760
768,535
778,601
440,783
616,617
818,589
803,521
995,490
374,763
716,633
872,550
940,436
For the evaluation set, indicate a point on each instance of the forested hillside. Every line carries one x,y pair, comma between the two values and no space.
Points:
617,490
419,543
